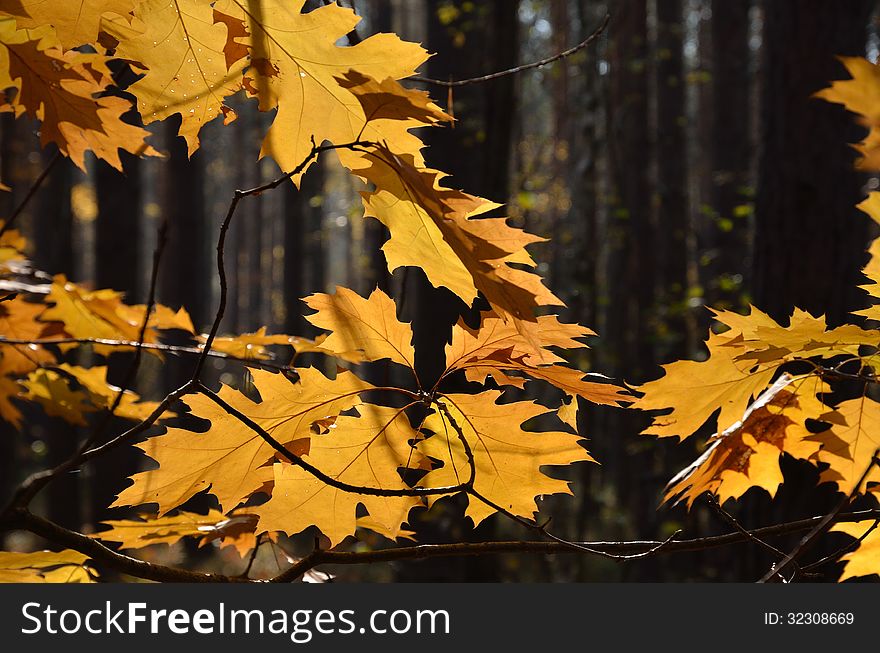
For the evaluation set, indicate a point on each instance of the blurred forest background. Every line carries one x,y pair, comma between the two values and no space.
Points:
677,163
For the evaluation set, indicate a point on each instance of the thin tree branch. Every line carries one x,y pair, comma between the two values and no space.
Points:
843,550
529,66
131,373
155,346
30,193
823,525
237,196
732,521
629,550
25,520
21,518
294,459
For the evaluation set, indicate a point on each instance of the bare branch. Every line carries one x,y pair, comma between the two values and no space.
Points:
23,519
623,550
730,519
31,192
529,66
821,527
237,196
154,346
294,459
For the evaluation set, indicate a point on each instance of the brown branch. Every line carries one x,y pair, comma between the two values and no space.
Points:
31,192
529,66
821,526
294,459
542,530
155,346
842,550
733,521
21,518
131,373
237,196
25,520
625,550
36,482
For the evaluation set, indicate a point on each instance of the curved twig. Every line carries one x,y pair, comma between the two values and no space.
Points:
30,193
513,71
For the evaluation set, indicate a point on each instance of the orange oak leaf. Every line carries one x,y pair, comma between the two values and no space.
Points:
367,325
297,76
438,229
861,95
389,100
508,459
695,390
65,566
747,454
61,90
76,22
236,530
182,54
101,314
364,451
229,459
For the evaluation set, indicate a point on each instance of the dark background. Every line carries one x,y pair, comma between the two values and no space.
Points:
677,163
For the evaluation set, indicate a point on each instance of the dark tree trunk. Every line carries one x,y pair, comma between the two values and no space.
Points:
183,279
628,325
671,193
732,196
302,216
54,218
117,227
809,238
483,38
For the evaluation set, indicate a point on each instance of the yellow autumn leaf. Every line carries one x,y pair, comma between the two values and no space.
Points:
692,391
508,460
469,346
747,454
252,346
236,530
364,451
865,560
850,444
230,459
61,90
76,22
389,100
44,567
439,230
297,76
161,317
762,338
860,94
368,325
100,314
181,53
